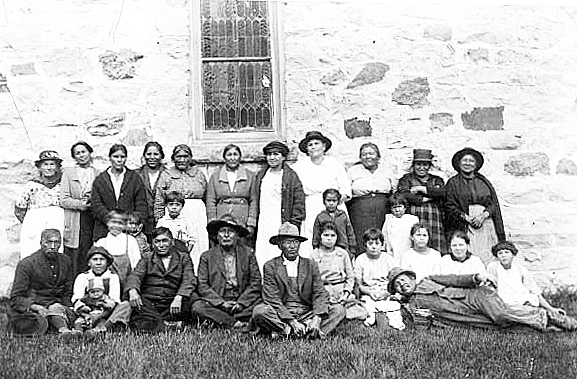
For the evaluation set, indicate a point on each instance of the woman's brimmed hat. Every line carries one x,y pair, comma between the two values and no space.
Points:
226,220
467,151
422,155
394,274
286,230
314,135
48,155
102,251
276,146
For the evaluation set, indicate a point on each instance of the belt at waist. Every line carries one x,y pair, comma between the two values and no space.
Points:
233,200
373,194
337,282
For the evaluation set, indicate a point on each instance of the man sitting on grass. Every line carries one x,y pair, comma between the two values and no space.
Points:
160,286
468,299
295,300
41,291
229,281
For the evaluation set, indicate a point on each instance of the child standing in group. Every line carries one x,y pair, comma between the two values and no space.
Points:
334,265
134,227
179,225
371,271
397,228
122,246
99,261
345,233
421,259
515,285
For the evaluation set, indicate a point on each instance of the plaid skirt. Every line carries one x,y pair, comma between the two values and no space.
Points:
431,215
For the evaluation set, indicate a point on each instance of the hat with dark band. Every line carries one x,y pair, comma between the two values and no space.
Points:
226,220
276,146
287,230
312,135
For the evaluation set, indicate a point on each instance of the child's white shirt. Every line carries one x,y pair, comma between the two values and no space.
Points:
515,286
422,265
397,232
181,227
373,272
120,245
82,280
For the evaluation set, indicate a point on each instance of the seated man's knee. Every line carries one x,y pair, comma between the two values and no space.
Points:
260,310
199,307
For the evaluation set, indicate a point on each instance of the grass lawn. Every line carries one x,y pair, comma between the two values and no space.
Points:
354,351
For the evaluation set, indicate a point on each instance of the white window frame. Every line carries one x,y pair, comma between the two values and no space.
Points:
196,101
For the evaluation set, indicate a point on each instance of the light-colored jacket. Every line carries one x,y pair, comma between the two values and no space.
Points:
74,200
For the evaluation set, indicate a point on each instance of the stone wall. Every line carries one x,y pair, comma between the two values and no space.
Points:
501,79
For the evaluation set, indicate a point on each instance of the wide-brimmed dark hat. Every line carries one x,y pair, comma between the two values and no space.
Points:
48,155
276,146
102,251
226,220
287,230
467,151
394,274
29,325
314,135
422,155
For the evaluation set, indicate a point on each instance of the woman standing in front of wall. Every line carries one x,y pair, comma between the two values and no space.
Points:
318,172
75,199
232,189
116,188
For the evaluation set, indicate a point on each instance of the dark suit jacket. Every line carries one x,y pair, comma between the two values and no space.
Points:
103,200
158,284
292,196
34,283
211,276
311,288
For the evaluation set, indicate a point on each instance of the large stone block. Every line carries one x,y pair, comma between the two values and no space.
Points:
439,121
566,166
504,141
477,55
119,65
528,164
439,32
358,128
412,92
490,118
333,78
66,62
371,73
23,69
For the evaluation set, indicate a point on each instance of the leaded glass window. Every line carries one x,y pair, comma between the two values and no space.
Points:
236,72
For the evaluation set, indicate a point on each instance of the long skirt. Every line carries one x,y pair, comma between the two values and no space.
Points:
431,215
269,221
35,221
482,239
366,212
195,211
